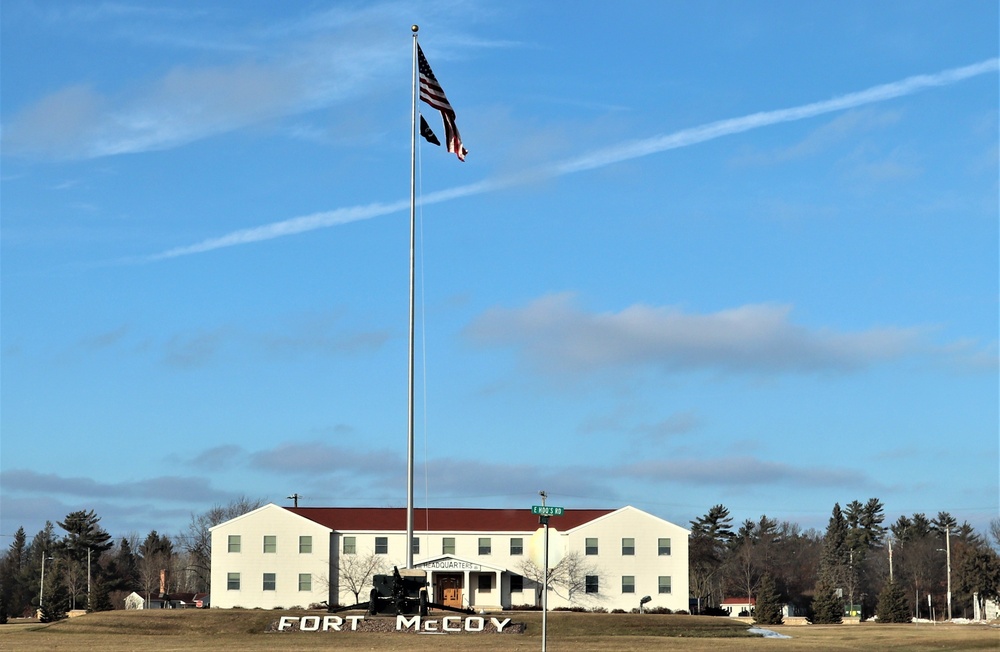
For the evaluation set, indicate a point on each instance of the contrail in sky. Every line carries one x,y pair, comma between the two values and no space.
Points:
597,159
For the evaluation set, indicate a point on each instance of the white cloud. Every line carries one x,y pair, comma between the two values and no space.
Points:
555,335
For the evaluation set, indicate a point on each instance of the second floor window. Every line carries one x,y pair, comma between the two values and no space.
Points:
516,546
448,546
591,546
381,545
350,545
485,546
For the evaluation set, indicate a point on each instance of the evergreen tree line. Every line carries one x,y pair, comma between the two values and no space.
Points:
858,567
84,568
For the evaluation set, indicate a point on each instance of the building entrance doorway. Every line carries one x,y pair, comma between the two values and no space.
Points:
448,589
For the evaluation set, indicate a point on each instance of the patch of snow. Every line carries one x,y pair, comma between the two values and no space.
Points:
767,633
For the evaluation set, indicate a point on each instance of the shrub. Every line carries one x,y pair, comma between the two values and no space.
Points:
598,610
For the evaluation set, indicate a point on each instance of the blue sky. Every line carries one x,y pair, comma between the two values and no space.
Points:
699,253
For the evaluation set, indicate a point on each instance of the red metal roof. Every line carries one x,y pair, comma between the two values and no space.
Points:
393,519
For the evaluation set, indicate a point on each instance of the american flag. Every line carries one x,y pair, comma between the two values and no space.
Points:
432,93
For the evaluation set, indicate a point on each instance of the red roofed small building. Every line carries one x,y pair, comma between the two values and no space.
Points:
481,558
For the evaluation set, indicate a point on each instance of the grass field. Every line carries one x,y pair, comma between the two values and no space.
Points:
209,630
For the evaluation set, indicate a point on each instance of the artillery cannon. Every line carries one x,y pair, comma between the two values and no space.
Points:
402,593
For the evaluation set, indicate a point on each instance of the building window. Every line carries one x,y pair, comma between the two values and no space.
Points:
270,543
415,545
591,583
448,546
485,583
516,546
234,543
305,582
233,581
628,546
663,583
269,581
591,546
305,544
516,584
628,583
350,545
663,546
485,546
381,545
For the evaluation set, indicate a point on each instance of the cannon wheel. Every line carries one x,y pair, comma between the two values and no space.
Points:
373,602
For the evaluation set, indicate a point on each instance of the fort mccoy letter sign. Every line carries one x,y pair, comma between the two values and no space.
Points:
407,624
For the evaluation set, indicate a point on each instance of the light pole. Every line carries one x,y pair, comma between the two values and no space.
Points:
947,546
41,585
947,551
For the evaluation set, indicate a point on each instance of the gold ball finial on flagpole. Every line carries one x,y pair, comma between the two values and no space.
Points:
414,28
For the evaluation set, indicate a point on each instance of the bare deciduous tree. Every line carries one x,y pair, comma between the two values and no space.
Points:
356,571
566,579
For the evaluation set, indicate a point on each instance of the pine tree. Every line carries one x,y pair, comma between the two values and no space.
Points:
102,600
828,607
768,608
56,599
892,605
834,569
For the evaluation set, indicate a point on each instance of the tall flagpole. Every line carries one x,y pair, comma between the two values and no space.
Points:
413,249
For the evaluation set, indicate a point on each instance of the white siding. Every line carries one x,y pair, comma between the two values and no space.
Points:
646,565
286,563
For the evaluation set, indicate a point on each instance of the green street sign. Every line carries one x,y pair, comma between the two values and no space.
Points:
545,510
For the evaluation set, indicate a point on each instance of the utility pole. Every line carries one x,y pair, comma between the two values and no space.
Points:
295,497
947,545
41,587
890,560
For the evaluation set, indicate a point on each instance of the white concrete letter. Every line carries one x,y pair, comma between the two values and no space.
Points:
403,623
474,620
430,625
332,622
285,623
354,622
312,626
446,620
500,624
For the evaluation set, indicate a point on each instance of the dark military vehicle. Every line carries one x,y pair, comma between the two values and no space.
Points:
402,593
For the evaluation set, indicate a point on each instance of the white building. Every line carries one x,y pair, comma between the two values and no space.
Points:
482,558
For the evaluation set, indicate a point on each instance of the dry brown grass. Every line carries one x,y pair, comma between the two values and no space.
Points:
203,631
